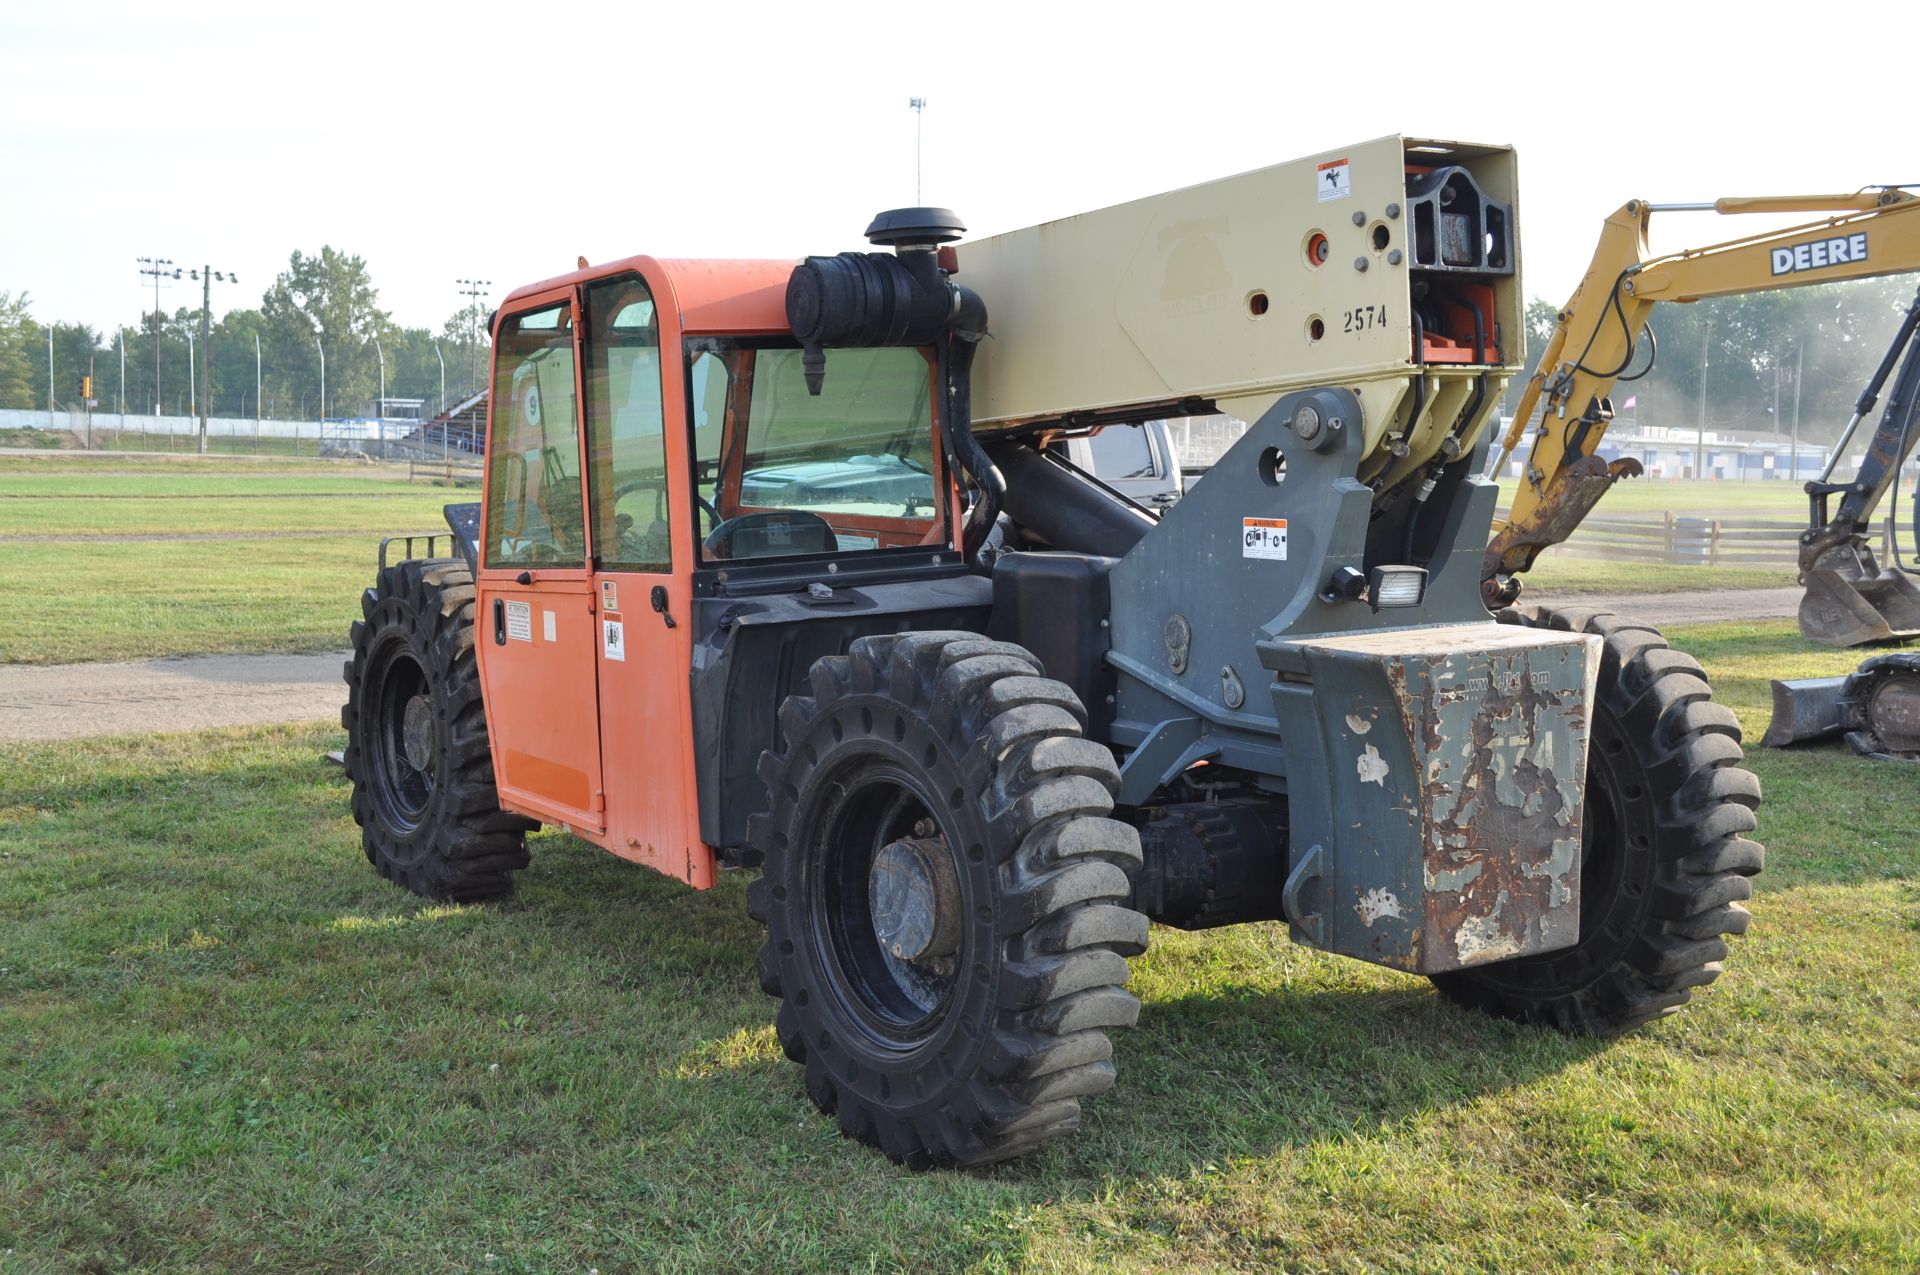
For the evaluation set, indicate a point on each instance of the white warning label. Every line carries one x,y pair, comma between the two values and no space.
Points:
1333,180
520,621
1264,538
548,626
614,639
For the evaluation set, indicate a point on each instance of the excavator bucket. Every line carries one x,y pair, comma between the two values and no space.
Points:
1846,607
1805,709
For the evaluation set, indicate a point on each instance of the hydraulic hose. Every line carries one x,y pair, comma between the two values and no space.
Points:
963,450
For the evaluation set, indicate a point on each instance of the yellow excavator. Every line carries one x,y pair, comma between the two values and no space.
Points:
1566,407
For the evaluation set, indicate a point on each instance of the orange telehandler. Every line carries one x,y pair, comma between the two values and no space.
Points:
779,567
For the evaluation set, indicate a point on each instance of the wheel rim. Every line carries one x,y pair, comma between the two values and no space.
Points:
403,740
867,810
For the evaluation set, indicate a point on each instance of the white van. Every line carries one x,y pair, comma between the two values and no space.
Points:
1137,461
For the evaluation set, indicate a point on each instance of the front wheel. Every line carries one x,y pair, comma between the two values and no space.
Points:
944,893
417,752
1665,859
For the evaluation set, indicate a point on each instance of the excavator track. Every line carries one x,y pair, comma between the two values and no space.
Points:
1880,707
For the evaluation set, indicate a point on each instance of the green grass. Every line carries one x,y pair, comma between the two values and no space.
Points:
35,436
235,1047
115,440
108,463
76,602
77,599
1556,575
1694,498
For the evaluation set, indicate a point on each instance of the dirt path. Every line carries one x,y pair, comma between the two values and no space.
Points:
71,701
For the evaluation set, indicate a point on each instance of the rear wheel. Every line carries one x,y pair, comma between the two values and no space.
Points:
944,898
417,752
1665,859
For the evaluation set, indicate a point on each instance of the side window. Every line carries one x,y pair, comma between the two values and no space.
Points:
626,435
533,463
710,383
1122,451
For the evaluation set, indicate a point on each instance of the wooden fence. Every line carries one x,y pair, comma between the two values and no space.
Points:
1679,540
448,472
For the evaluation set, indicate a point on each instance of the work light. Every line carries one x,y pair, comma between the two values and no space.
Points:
1396,587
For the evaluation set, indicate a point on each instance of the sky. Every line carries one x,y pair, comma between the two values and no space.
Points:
503,141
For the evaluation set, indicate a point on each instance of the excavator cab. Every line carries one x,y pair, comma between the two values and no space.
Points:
1851,600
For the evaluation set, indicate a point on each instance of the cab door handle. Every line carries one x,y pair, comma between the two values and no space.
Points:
499,621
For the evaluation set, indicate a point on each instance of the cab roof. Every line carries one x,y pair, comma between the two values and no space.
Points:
714,295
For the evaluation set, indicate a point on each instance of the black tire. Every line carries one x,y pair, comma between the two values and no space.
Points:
417,752
1665,859
955,740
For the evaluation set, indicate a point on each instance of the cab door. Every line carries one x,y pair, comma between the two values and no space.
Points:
538,640
641,551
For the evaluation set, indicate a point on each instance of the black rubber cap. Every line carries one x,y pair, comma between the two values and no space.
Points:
899,226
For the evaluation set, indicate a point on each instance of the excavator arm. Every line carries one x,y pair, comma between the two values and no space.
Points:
1567,405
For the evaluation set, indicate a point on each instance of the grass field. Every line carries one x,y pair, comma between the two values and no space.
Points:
1697,498
83,596
1556,575
236,1047
184,443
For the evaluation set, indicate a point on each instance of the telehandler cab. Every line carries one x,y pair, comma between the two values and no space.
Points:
777,568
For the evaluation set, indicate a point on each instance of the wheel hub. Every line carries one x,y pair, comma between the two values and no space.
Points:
914,892
417,732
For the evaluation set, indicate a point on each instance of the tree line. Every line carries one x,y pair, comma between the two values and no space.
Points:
321,302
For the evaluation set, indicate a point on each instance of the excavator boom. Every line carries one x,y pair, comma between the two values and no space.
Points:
1567,403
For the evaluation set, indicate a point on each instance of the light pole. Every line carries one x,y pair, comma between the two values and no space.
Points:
256,392
50,424
206,275
1700,433
918,105
122,396
315,325
157,267
1799,371
473,290
1776,414
380,415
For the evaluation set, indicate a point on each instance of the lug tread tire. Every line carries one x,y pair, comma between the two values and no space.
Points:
465,848
1681,892
1049,872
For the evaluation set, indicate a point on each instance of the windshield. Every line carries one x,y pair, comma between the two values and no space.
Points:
781,471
